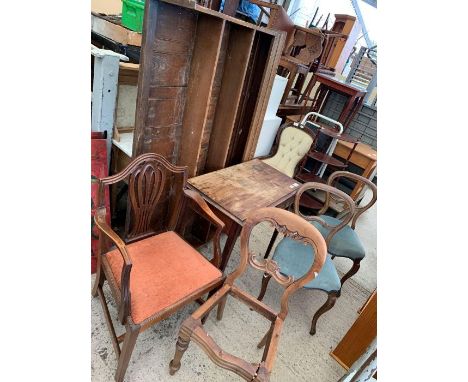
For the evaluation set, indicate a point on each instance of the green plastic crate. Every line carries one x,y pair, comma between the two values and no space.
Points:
132,14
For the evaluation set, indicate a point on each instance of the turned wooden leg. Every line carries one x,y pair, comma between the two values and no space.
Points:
351,272
332,296
181,347
127,349
221,305
270,245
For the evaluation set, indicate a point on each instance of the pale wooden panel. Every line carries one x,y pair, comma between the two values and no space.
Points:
202,71
235,67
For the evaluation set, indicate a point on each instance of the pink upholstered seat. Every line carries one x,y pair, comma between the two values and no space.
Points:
165,270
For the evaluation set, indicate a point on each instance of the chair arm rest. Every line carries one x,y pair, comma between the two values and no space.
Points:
205,211
100,219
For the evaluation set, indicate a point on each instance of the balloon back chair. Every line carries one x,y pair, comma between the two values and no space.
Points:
346,243
154,272
297,230
294,259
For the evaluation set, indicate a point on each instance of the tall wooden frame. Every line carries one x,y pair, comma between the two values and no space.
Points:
204,85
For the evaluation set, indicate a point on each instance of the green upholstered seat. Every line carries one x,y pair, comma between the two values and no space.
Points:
295,259
345,243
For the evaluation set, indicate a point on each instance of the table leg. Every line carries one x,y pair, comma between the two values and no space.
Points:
232,235
346,111
354,111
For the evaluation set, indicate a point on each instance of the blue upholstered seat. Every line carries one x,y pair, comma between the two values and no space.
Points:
345,243
295,259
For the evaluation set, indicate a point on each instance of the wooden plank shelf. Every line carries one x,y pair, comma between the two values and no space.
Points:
325,158
204,83
309,177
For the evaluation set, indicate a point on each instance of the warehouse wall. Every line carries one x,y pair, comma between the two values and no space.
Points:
364,124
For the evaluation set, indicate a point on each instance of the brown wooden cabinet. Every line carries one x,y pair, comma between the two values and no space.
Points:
359,336
204,84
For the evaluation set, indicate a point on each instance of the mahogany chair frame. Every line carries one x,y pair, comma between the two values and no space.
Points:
309,42
290,225
275,146
359,210
145,175
331,192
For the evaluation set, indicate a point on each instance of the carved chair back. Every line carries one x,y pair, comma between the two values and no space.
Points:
310,40
359,210
330,193
155,195
292,226
305,46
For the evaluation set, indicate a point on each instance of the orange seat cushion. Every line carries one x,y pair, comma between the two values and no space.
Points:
165,270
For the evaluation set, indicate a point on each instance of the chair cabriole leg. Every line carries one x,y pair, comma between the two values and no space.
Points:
332,296
352,271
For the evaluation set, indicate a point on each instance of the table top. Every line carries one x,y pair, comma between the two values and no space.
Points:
238,189
340,85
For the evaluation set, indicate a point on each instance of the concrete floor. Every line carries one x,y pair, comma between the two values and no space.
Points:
301,357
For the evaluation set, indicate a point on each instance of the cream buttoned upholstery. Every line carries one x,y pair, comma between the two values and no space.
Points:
294,144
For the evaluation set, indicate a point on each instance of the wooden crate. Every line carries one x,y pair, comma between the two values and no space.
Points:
204,83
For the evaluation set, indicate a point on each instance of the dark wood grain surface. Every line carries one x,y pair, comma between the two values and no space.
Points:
238,189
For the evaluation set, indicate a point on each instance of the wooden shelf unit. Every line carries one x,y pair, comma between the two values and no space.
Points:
204,83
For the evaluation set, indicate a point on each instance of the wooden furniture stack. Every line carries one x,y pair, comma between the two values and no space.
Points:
355,96
303,45
337,50
204,84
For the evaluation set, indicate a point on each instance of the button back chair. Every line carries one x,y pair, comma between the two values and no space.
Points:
299,231
155,272
294,260
346,242
292,144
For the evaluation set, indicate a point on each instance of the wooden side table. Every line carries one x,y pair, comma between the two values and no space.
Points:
234,191
330,84
363,156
